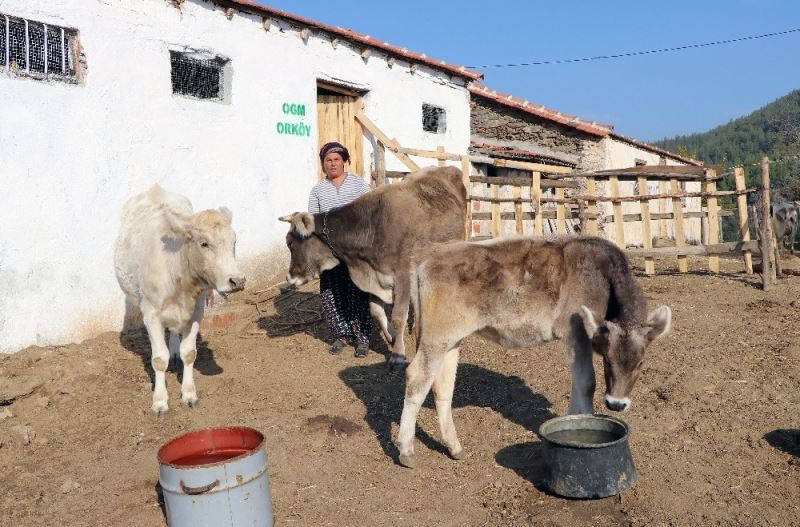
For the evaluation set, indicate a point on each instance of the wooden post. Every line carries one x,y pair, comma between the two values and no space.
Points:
647,238
677,217
591,188
663,233
744,227
536,196
619,222
440,150
561,223
465,172
766,228
496,226
713,221
380,164
518,209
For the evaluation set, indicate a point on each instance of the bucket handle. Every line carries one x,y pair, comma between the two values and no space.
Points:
192,491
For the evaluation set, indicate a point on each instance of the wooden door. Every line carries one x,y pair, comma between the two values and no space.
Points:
337,122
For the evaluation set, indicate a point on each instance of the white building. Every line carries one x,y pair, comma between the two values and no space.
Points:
225,102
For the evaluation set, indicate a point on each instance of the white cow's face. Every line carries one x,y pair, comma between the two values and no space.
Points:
211,250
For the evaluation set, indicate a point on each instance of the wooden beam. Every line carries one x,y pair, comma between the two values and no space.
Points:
440,162
744,226
496,226
591,188
518,209
647,238
680,237
561,223
536,197
713,223
619,227
696,250
465,174
767,263
391,144
525,182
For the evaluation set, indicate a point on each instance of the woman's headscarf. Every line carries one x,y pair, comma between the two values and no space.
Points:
334,148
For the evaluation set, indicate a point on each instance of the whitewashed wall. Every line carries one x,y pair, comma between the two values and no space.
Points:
70,155
620,154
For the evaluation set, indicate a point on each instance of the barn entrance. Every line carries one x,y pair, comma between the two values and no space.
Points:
336,110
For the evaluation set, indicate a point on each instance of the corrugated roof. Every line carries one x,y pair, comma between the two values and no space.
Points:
353,36
589,127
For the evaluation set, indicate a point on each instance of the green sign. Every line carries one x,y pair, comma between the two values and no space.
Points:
291,109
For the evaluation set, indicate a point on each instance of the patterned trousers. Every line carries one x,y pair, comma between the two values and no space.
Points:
345,307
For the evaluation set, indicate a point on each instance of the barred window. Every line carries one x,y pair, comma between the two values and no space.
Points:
35,49
433,119
198,75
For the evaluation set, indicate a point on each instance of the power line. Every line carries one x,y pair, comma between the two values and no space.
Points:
636,53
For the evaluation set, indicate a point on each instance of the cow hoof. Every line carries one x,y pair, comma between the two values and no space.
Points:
160,409
409,461
397,362
457,455
190,400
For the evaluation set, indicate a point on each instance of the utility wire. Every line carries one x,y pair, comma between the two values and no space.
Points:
636,53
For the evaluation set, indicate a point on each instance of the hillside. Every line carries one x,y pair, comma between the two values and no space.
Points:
773,130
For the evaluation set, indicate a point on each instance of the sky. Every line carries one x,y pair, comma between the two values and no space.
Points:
646,97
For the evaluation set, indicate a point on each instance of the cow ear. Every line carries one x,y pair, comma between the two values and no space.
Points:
303,223
179,223
589,322
226,214
659,322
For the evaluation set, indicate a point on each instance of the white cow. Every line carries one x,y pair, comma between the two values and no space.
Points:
166,258
784,223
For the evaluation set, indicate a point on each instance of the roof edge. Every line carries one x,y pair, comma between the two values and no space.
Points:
354,36
655,149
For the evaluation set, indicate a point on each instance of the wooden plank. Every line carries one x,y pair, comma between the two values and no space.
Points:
553,170
680,237
767,264
697,250
669,215
744,226
647,238
440,150
663,233
391,144
496,226
512,216
619,227
518,209
465,174
713,225
536,196
380,165
591,188
524,182
561,224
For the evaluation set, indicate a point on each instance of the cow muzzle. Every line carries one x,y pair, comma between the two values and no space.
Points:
233,284
617,405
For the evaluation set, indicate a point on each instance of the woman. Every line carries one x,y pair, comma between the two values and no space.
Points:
344,306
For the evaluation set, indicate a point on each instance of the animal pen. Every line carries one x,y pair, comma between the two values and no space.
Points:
570,202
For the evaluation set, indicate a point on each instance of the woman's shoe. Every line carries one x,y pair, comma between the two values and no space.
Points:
338,346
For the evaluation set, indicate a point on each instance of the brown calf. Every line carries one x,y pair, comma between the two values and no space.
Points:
520,292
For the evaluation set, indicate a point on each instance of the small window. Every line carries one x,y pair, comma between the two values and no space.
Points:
198,75
433,119
639,162
34,49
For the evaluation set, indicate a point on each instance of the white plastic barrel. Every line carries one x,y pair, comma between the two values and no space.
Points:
216,477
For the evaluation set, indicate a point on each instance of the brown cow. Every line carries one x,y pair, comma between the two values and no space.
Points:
520,292
377,235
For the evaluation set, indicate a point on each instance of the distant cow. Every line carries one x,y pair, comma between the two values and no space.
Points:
784,223
377,235
166,258
520,292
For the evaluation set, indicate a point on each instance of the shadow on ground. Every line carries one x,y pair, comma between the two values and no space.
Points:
383,395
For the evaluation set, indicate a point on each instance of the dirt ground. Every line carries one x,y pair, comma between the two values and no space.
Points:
715,423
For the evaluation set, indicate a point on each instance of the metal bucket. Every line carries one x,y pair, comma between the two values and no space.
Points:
216,478
586,456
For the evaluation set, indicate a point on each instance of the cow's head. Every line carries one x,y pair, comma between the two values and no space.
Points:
310,255
786,219
622,349
210,245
